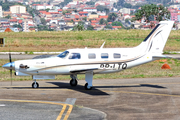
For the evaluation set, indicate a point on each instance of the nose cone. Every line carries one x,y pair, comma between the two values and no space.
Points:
10,66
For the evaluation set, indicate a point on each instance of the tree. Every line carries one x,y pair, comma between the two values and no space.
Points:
127,5
108,27
102,8
126,20
90,3
93,13
8,17
120,3
62,4
81,22
112,17
43,21
84,18
90,27
17,26
78,27
102,21
47,10
117,23
159,12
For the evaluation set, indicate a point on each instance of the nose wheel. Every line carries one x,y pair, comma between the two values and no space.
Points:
35,85
73,82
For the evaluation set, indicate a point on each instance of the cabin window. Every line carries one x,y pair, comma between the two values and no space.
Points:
117,55
75,56
92,56
63,54
104,55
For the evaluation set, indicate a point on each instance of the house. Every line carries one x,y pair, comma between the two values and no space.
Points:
6,13
54,22
126,16
92,16
61,22
104,17
90,9
81,13
5,25
15,29
60,10
116,27
67,15
125,11
13,22
42,7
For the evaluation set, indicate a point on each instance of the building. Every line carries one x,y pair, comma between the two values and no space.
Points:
42,7
125,11
175,1
174,16
25,26
1,15
178,17
17,9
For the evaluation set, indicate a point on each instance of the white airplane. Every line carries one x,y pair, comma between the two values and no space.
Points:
94,61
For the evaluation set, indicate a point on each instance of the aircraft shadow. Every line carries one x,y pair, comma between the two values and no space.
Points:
78,88
141,85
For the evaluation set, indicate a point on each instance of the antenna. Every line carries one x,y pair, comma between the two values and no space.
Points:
102,45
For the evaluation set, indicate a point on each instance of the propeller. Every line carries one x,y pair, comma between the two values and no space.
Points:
10,60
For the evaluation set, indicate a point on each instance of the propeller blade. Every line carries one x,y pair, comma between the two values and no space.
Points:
10,57
11,75
10,60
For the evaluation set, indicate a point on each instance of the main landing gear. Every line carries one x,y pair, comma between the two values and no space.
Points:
35,84
73,81
88,78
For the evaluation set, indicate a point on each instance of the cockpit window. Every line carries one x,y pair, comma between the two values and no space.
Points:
63,54
75,56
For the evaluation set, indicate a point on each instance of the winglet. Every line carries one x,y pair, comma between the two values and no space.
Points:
102,45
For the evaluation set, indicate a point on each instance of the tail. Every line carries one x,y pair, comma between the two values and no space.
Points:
154,43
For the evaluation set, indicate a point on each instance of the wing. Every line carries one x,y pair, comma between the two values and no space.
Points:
85,68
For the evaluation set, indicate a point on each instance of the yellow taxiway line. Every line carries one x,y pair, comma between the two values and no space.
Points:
43,102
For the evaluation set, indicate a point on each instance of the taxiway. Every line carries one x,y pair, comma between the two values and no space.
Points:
142,98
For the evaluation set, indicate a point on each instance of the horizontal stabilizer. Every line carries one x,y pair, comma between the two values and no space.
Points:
161,56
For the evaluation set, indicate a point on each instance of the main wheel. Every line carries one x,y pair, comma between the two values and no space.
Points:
35,85
87,87
73,82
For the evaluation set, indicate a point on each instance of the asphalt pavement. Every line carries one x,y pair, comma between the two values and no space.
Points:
111,99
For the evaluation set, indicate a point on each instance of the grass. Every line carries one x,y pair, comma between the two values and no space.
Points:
62,40
148,70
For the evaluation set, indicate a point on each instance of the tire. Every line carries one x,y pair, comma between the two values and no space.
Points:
73,82
35,85
86,87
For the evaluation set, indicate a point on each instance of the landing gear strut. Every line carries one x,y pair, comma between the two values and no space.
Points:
73,81
88,78
35,84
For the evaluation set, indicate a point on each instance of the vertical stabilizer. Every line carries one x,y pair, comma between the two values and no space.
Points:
157,39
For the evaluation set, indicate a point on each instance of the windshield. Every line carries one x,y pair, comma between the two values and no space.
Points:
63,54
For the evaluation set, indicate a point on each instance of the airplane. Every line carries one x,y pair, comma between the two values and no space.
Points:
91,61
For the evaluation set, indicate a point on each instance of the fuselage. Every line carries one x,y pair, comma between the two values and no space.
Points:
101,60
